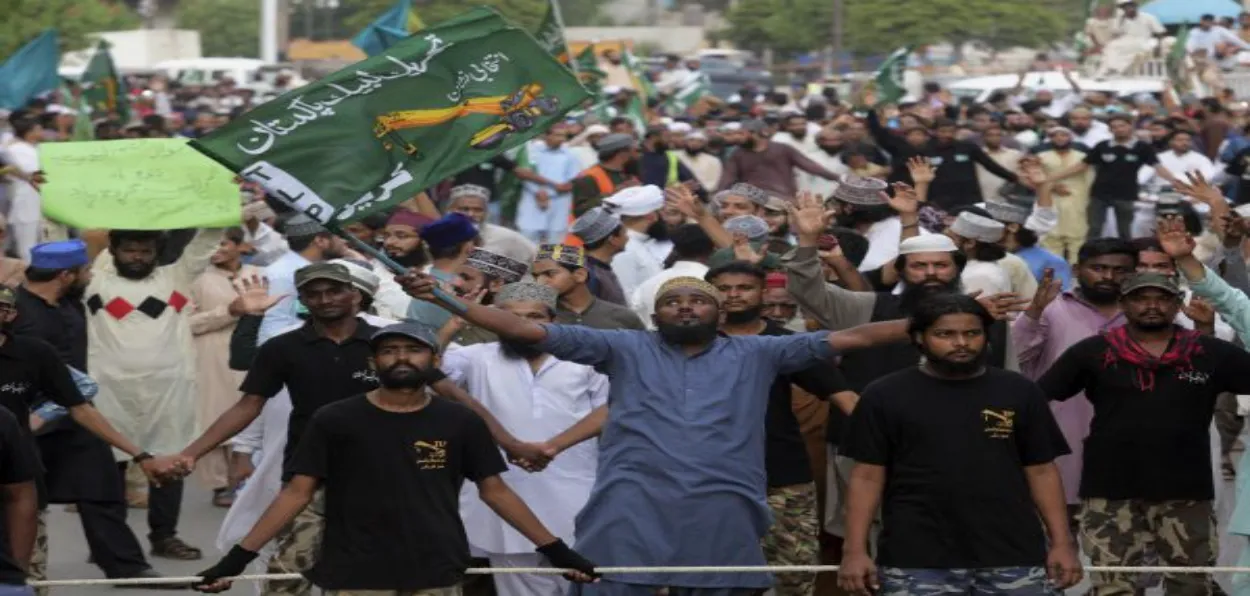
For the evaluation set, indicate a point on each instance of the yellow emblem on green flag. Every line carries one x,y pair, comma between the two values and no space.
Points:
141,184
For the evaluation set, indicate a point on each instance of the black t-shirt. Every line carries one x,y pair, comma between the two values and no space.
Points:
785,452
17,465
956,494
392,484
64,325
1115,168
315,370
1239,167
483,174
31,372
1151,445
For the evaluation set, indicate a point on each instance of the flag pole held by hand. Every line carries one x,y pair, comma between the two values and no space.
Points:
450,302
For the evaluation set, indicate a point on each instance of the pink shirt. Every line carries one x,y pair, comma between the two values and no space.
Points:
1039,344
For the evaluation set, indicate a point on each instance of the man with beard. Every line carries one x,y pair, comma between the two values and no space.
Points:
794,536
401,238
566,270
1056,320
139,344
960,458
1086,130
390,463
537,397
768,165
705,166
682,449
1147,475
992,142
449,239
861,206
830,143
692,251
618,167
647,245
1072,192
739,199
658,165
481,276
926,265
309,242
78,466
955,184
472,201
604,238
796,132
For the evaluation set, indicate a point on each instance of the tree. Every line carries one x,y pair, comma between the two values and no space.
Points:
73,20
357,14
227,27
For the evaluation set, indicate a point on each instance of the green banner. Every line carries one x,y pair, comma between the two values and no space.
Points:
141,184
103,88
889,77
378,132
550,36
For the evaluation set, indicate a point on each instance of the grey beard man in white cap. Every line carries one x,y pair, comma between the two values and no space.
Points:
473,201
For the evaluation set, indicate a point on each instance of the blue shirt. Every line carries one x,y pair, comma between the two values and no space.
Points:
1039,259
680,478
428,313
284,315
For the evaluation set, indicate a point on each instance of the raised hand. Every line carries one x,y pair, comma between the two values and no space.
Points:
921,170
1002,306
1047,290
253,296
1175,238
1200,312
680,197
1231,229
808,217
904,200
744,252
418,285
1199,189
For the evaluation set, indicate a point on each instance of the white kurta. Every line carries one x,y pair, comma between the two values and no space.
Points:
533,407
140,350
642,258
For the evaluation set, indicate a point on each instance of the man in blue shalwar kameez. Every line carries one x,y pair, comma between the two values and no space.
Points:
681,456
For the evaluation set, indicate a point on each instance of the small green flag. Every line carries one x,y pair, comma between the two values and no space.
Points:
587,70
379,131
550,36
689,94
638,71
105,90
889,78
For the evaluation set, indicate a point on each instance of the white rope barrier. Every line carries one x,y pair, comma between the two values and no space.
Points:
603,570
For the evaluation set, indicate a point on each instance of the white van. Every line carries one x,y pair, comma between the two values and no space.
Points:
247,73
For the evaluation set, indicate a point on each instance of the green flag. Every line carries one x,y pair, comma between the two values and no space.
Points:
550,35
104,89
587,70
638,70
30,71
689,93
889,78
379,131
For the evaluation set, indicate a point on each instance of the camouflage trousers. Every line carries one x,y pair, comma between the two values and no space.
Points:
298,547
794,537
452,591
999,581
38,569
1119,532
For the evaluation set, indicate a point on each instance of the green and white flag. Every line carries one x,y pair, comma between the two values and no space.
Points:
587,70
550,35
103,87
689,94
379,131
889,78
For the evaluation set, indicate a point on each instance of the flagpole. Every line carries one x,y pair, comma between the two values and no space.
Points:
555,11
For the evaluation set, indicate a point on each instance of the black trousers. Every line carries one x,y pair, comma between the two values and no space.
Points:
114,547
164,507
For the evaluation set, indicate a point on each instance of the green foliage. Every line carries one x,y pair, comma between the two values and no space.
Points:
73,19
525,13
879,26
227,27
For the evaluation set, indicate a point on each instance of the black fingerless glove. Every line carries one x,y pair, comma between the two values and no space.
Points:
233,564
563,557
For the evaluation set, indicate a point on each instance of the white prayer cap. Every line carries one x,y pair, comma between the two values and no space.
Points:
696,136
636,201
666,121
1242,210
596,129
731,127
977,227
363,278
927,243
611,90
680,127
57,108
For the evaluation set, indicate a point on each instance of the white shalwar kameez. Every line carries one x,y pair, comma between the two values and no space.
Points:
534,407
140,350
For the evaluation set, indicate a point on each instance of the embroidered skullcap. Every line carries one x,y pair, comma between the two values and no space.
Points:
979,228
615,142
595,225
688,283
449,230
300,225
1008,213
411,219
860,190
363,278
63,254
469,190
751,226
636,201
574,256
496,265
777,205
775,280
747,191
927,243
527,291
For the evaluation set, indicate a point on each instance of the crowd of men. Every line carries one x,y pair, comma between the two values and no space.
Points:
953,347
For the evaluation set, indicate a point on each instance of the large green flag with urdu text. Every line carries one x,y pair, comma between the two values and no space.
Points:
379,131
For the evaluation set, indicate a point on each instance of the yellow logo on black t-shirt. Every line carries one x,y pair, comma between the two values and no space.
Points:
431,455
998,422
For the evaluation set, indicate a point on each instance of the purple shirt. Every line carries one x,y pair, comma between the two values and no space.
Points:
1039,344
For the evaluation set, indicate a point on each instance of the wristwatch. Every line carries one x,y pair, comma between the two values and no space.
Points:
142,457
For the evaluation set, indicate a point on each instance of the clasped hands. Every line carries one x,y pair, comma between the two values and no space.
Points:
167,468
531,457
